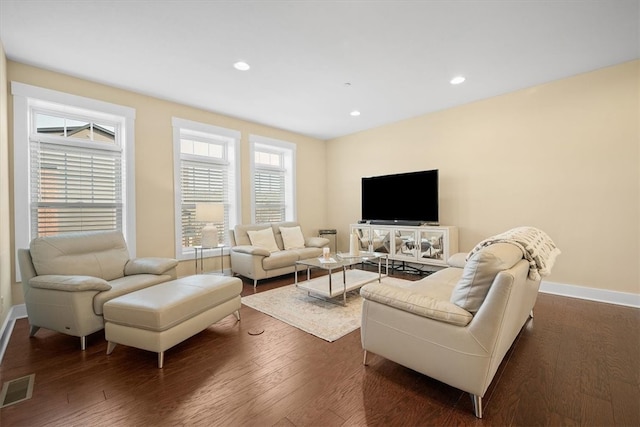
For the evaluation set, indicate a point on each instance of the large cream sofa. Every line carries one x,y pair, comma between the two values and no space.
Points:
259,263
67,279
457,324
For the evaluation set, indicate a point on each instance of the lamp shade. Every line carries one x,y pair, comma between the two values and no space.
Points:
209,212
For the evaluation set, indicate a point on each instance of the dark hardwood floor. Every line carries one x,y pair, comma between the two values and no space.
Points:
575,363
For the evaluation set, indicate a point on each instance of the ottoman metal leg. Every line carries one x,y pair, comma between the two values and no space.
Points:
237,314
160,359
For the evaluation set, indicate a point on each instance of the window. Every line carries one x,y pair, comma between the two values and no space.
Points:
76,174
73,162
207,165
273,183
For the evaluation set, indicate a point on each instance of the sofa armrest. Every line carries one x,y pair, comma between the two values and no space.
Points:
149,266
418,304
251,250
69,283
316,242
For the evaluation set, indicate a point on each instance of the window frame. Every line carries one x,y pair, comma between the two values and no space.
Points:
25,98
232,154
288,152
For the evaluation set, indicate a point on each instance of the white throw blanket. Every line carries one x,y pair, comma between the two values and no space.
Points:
536,246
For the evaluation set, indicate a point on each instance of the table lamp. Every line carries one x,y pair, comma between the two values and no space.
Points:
209,213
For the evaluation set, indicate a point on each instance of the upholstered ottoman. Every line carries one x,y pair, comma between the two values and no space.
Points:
161,316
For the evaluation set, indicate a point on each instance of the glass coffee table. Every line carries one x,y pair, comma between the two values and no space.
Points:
329,290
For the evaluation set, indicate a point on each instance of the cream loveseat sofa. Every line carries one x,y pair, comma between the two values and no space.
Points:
265,256
67,278
457,324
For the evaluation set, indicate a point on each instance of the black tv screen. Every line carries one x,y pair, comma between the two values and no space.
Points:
405,198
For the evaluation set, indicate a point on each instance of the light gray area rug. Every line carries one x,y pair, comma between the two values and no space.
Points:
326,320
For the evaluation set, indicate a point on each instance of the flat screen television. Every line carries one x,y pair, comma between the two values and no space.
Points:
405,199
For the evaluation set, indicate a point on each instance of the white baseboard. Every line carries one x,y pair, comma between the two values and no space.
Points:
591,294
15,312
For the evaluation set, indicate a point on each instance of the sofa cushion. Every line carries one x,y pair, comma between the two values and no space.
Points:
415,303
280,259
99,254
306,253
168,304
263,239
292,237
438,285
479,272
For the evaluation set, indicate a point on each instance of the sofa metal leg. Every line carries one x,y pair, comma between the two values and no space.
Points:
237,314
160,359
33,330
83,343
255,283
531,313
477,404
364,360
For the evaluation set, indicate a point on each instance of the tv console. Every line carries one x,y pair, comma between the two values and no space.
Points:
421,244
397,222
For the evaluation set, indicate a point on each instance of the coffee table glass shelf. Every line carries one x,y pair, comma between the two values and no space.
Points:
327,289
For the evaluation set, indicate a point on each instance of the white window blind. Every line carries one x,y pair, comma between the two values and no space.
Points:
269,193
75,189
201,182
273,183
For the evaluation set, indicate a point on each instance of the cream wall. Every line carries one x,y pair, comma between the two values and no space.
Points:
154,161
5,247
562,156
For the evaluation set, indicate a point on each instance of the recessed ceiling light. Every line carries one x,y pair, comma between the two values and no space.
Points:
355,113
241,65
457,80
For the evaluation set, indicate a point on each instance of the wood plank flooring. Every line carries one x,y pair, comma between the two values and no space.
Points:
576,363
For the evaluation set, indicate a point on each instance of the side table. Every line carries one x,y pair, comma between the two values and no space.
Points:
326,232
220,246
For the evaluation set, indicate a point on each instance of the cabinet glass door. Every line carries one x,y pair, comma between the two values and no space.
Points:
432,245
382,240
364,237
404,245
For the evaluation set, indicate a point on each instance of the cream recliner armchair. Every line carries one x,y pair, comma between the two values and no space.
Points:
457,324
67,278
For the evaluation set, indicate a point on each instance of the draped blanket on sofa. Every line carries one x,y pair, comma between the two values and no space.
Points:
536,246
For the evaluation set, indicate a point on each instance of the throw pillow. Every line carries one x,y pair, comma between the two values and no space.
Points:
292,237
263,239
479,272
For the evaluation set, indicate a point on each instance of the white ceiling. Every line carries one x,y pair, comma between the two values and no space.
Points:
398,56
